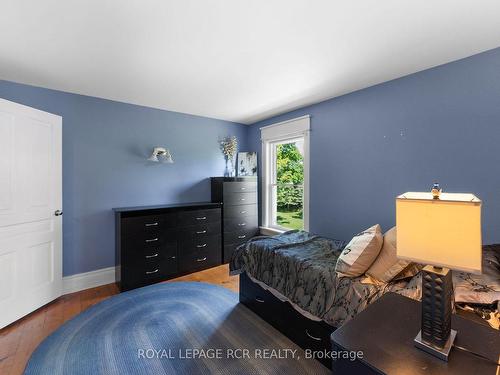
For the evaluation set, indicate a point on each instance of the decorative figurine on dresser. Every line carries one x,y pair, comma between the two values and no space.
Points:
156,243
238,196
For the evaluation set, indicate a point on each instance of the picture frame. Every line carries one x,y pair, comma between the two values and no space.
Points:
246,164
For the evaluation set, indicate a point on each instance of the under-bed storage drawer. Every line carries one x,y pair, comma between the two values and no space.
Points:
262,302
306,333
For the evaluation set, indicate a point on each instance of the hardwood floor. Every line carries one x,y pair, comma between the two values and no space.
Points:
19,340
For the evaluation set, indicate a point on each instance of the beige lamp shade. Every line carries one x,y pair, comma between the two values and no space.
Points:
444,232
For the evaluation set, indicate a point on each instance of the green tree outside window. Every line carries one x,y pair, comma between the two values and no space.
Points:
289,179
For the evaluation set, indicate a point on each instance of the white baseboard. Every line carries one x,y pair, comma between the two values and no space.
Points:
86,280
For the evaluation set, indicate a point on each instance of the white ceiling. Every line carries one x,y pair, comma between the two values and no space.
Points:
234,59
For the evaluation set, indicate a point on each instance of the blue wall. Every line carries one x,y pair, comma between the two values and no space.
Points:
441,124
366,147
105,146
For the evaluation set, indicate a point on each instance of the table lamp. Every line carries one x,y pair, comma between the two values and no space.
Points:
442,231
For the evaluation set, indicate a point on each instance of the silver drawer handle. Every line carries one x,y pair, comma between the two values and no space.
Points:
201,232
241,237
243,212
151,224
312,337
201,218
260,300
173,257
150,272
243,188
201,259
152,256
242,224
152,240
199,246
242,199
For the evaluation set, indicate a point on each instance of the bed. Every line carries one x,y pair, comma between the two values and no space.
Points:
290,281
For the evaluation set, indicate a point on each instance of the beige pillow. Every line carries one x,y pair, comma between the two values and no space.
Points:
387,265
360,252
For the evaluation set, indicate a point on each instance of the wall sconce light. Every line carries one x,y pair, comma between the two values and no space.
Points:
161,154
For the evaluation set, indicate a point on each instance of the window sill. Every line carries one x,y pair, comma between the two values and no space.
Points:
266,231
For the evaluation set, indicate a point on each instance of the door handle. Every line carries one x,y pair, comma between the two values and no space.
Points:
201,218
152,240
151,224
242,224
152,256
201,232
260,300
200,246
201,259
58,213
241,237
151,272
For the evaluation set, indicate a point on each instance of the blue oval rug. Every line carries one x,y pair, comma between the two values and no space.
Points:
170,328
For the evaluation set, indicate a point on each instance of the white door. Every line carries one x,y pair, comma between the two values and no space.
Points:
30,197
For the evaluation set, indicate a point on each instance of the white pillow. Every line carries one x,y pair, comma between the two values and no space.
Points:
360,252
387,266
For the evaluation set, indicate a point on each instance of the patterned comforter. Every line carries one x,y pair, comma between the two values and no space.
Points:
301,267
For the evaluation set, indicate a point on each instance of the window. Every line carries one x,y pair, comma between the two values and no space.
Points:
285,150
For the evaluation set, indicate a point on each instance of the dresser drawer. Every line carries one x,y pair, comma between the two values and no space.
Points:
143,273
139,253
210,243
239,236
147,225
231,199
239,187
199,217
149,239
199,232
203,258
247,223
240,211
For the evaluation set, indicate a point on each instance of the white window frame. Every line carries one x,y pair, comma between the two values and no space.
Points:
271,135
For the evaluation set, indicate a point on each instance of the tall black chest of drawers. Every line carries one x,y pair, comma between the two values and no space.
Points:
156,243
239,214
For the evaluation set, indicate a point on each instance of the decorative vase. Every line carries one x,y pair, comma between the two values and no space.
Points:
229,170
226,170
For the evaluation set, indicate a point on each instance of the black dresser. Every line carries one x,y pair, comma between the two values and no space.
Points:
239,214
155,243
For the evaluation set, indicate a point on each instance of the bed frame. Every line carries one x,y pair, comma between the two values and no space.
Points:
306,333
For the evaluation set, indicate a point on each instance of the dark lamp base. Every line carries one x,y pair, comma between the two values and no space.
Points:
441,353
436,335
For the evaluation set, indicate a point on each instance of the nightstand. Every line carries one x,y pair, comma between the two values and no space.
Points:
385,330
